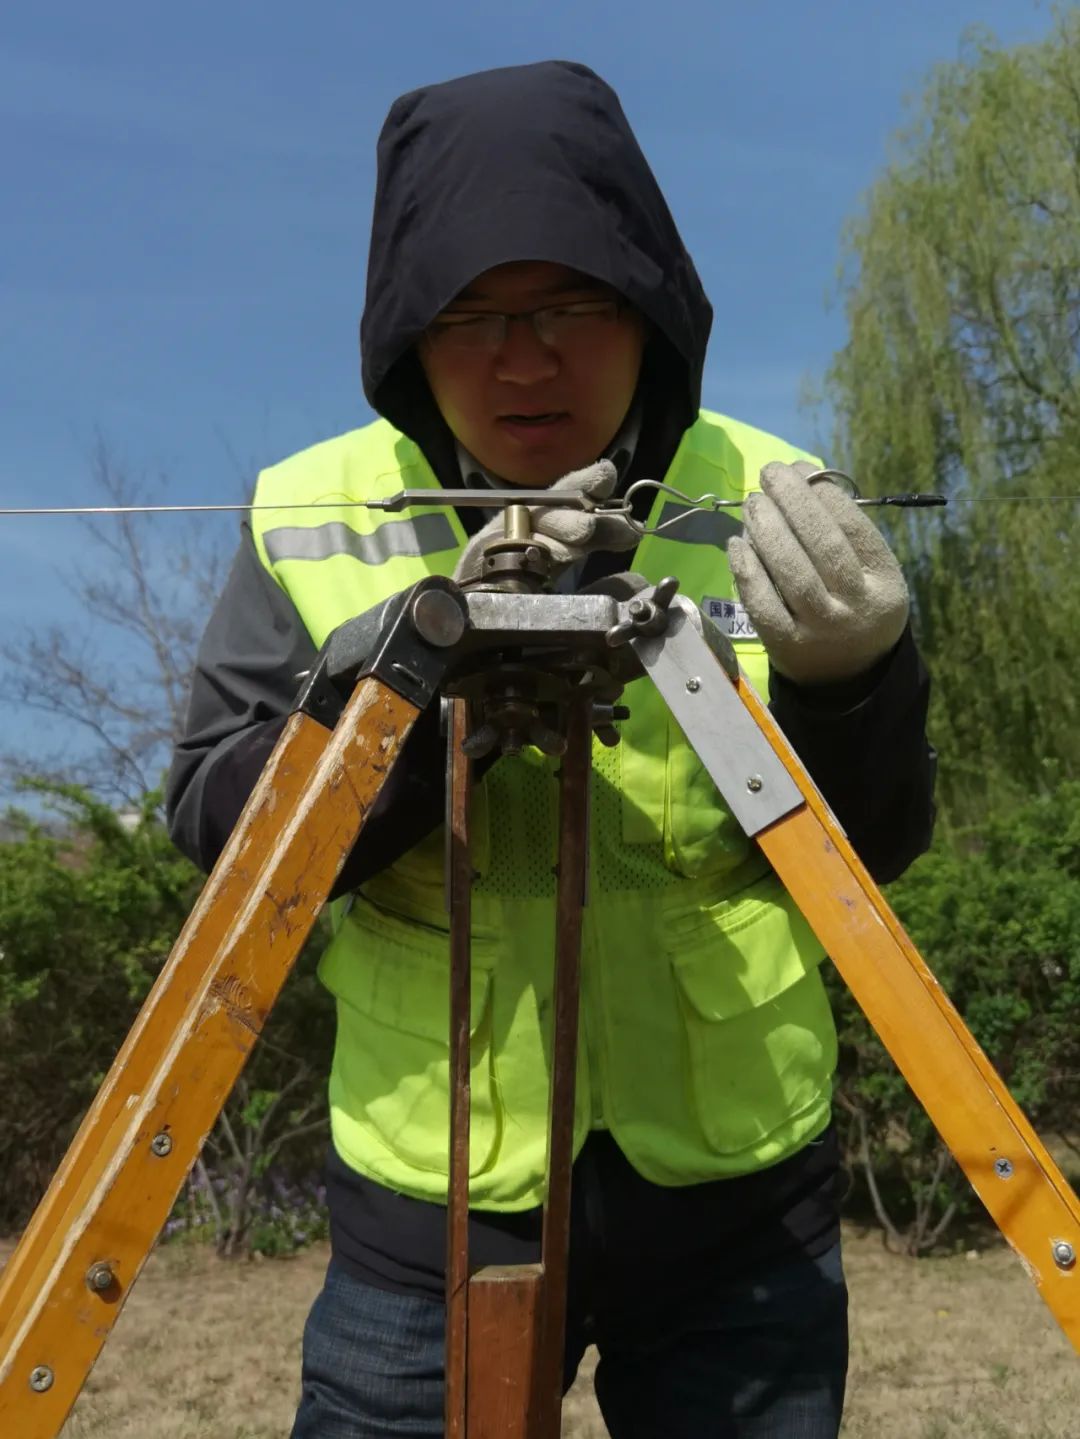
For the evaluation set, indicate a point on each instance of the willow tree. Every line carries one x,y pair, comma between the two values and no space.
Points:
961,284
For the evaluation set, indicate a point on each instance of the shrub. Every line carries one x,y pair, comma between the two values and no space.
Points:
88,914
999,925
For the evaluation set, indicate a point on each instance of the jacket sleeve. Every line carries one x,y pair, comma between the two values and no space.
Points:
252,660
864,745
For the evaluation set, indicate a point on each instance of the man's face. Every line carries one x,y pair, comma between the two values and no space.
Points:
537,397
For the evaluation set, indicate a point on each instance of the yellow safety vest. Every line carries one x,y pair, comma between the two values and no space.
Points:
707,1044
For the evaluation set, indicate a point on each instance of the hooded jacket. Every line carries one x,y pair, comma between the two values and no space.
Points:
528,162
538,162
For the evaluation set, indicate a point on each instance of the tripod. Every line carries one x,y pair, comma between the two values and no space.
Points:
518,666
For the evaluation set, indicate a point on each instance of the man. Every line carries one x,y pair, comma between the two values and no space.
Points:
533,319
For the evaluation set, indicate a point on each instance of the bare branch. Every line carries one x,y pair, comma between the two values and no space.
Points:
889,1229
114,685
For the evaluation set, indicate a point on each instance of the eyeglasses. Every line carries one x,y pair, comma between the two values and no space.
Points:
485,332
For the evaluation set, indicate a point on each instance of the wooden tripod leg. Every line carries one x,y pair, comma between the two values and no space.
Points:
88,1241
570,903
517,1314
973,1111
286,773
459,902
766,787
492,1316
505,1324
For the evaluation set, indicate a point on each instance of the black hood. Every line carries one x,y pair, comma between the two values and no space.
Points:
533,162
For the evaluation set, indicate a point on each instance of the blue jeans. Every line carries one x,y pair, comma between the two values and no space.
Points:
765,1357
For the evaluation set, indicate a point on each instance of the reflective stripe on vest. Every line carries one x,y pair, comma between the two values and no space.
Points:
425,535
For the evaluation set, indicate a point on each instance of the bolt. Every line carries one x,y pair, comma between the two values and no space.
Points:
693,685
638,608
1003,1168
438,618
41,1379
1064,1254
664,592
754,783
161,1144
100,1277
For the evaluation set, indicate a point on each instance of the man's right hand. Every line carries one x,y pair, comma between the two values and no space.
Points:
567,534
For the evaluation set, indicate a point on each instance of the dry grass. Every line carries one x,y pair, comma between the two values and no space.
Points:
942,1349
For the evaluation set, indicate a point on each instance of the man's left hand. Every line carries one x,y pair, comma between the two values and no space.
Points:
822,588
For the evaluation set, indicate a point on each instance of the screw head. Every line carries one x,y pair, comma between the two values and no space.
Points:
100,1277
1003,1168
1064,1254
754,783
161,1144
693,684
41,1379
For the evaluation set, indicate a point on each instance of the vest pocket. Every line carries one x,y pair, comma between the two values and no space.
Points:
391,1072
760,1041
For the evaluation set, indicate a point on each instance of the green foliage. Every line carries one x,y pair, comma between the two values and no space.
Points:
962,372
89,910
273,1214
999,925
86,918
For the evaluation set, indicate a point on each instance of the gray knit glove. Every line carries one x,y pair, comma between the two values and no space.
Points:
823,589
568,534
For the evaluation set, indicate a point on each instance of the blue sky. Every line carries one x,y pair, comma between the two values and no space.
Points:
187,194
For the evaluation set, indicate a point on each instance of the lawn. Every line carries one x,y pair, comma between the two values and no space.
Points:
953,1348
